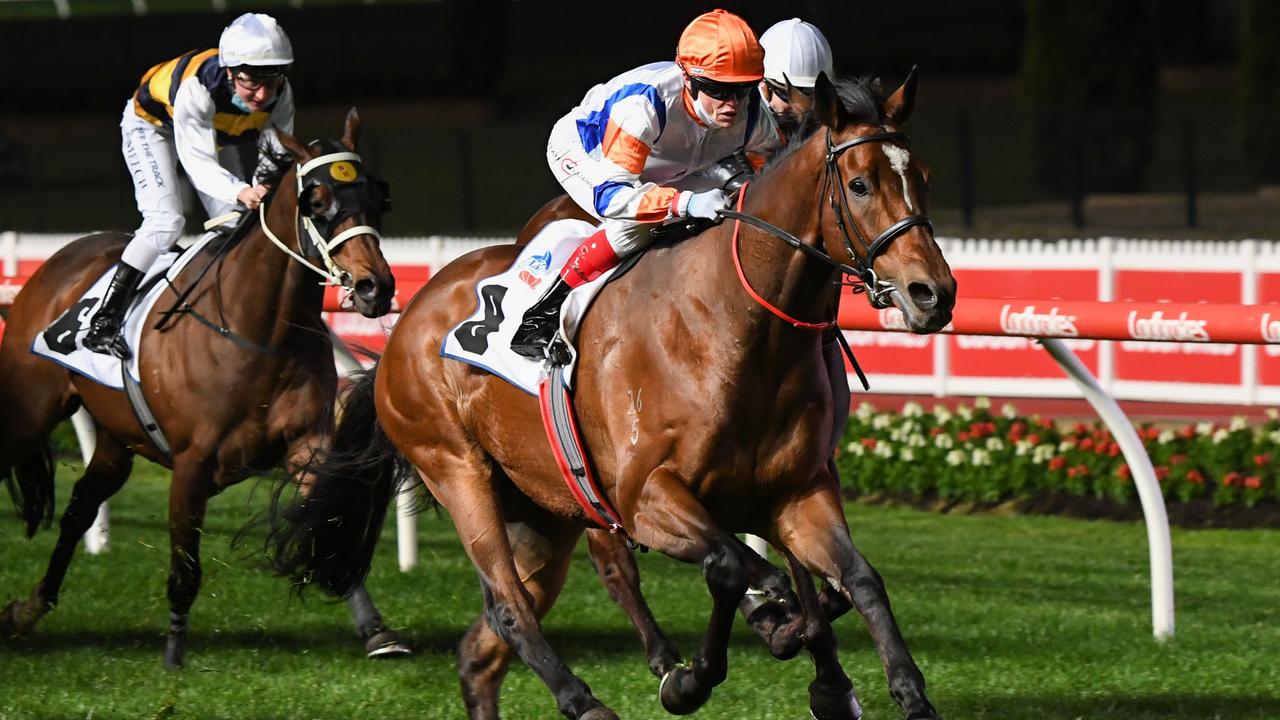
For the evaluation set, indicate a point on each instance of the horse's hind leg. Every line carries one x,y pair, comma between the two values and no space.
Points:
542,548
813,528
380,642
106,473
511,610
616,566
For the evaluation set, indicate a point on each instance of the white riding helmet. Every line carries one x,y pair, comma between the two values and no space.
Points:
256,40
797,50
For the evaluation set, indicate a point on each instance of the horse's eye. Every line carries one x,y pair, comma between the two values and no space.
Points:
858,186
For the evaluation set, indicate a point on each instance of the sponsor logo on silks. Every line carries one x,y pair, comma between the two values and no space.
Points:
1158,327
537,264
1270,329
342,171
529,279
1030,322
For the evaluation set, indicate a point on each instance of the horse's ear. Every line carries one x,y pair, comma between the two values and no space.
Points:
899,105
827,108
295,148
351,134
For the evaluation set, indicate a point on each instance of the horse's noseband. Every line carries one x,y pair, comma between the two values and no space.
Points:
871,250
354,192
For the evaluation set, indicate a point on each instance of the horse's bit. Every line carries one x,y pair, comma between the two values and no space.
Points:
862,268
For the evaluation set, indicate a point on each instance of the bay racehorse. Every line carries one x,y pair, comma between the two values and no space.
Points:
240,381
733,436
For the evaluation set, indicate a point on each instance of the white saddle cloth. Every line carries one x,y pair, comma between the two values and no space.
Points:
484,338
63,341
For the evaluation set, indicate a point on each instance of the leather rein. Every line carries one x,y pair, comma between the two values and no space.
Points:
832,187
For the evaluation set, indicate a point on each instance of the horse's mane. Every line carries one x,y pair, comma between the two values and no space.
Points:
861,100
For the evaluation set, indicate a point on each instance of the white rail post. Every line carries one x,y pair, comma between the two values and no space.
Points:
98,537
406,521
1144,479
9,253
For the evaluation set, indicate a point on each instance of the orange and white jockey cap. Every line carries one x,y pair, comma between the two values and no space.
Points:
720,46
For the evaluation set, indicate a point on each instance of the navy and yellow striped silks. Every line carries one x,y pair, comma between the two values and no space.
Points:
155,96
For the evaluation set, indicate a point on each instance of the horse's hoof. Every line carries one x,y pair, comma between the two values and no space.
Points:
664,661
844,706
678,699
175,654
19,619
386,645
598,713
779,629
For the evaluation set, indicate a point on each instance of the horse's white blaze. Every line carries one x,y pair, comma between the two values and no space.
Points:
898,160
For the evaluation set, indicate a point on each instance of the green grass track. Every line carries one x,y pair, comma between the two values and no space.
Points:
1009,617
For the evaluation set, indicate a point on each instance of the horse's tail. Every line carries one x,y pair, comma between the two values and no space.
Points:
325,533
28,474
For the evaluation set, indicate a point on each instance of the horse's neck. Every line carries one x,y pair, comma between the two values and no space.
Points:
273,293
787,196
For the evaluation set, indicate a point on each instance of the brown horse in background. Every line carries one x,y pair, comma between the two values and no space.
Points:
686,471
232,403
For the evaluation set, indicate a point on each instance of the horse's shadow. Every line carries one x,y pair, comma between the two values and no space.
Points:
1165,706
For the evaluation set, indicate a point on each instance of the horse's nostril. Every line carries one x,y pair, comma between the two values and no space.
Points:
922,295
367,289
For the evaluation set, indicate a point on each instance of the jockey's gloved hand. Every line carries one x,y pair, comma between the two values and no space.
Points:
704,204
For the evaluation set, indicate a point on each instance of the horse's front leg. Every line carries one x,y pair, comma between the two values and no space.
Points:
616,566
189,492
380,642
813,528
668,518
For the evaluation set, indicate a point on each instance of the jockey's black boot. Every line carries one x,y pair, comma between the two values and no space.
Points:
104,334
540,322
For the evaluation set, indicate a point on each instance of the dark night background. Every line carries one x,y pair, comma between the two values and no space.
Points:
1038,117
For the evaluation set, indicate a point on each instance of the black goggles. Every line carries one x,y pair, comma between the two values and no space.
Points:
783,94
721,91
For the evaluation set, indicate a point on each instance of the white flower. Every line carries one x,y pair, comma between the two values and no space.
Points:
1043,453
1273,413
1204,428
1274,437
896,434
856,448
907,454
944,441
965,412
941,413
1009,411
912,409
884,450
909,427
982,403
1065,445
1220,434
882,421
981,457
1166,437
1238,422
1022,447
995,444
917,440
955,457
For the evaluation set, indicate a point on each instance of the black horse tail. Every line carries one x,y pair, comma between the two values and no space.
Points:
28,474
325,533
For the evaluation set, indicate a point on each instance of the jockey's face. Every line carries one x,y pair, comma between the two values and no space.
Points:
779,98
720,101
256,92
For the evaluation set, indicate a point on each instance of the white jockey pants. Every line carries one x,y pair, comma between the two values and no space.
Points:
579,174
152,160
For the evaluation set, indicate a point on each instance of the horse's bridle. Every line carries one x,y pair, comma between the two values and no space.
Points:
833,187
343,172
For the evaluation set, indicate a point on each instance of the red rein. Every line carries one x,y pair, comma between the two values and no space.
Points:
742,277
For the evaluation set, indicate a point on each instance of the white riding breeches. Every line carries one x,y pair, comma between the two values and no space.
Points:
152,160
573,169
